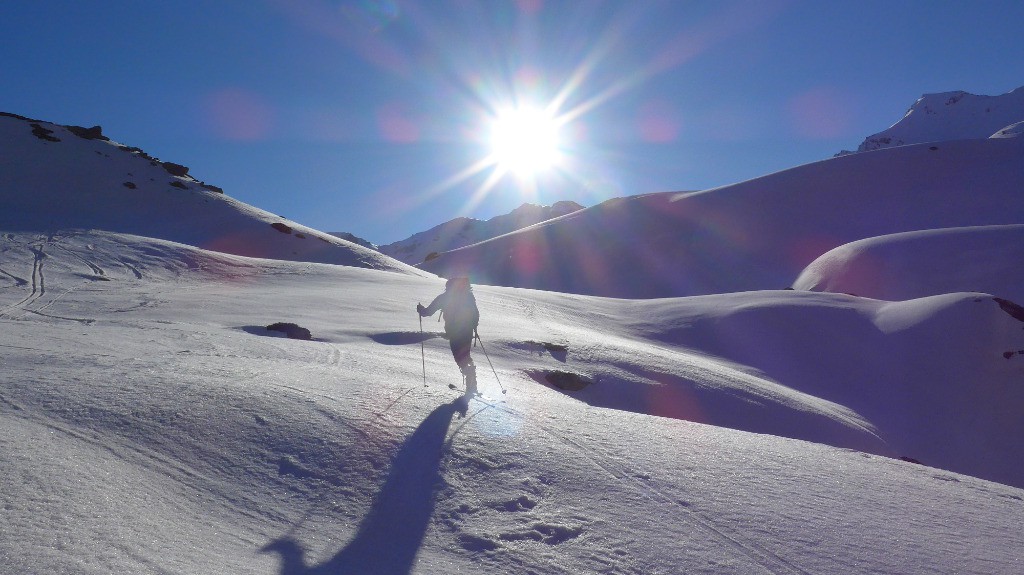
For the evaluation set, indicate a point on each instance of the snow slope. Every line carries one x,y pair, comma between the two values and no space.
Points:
150,422
924,263
466,231
758,234
53,179
1011,131
152,425
950,116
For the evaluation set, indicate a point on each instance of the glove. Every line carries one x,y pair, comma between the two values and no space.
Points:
421,309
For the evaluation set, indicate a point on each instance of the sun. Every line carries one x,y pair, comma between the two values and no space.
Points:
525,141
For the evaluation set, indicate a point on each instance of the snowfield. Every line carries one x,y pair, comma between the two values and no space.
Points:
154,425
868,421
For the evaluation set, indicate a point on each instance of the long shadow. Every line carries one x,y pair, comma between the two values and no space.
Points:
403,337
391,534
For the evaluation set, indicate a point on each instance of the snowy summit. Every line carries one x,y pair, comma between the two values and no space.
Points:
817,371
951,116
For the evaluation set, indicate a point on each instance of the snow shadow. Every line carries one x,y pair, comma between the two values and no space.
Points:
261,330
556,350
403,337
392,532
650,392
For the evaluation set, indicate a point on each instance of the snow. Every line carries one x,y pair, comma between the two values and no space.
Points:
922,263
951,116
754,235
1011,131
71,183
150,423
464,231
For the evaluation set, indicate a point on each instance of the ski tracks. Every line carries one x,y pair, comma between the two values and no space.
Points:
758,553
37,299
37,285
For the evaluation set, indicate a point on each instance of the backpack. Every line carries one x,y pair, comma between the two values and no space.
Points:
460,313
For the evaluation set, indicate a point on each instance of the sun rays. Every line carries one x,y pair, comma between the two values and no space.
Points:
523,102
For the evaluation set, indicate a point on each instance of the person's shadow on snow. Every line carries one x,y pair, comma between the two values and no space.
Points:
391,533
403,337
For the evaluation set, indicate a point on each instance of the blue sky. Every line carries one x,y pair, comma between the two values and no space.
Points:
372,117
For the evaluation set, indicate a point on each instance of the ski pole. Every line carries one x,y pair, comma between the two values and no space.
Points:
477,333
423,355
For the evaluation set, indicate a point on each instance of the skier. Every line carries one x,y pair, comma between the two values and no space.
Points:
461,316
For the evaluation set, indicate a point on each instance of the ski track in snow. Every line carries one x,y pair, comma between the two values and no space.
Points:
39,249
37,284
205,486
40,297
761,555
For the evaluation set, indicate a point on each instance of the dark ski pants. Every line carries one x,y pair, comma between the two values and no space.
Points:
460,344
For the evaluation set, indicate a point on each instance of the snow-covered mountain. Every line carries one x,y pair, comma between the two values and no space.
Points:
758,234
466,231
57,177
950,116
356,240
151,422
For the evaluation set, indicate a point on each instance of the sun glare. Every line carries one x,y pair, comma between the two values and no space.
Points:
525,141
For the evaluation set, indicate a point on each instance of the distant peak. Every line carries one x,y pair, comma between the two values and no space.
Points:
463,231
954,115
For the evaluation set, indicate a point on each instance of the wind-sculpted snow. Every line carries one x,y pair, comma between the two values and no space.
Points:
147,430
758,234
924,263
67,181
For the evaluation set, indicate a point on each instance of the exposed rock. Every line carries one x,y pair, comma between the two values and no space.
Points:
93,133
175,169
43,133
291,330
1015,310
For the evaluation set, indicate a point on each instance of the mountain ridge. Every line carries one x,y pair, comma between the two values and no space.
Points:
943,116
951,161
463,231
752,235
159,199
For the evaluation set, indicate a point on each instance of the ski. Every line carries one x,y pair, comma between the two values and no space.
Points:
477,396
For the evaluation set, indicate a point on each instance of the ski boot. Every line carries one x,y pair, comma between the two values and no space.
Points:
469,378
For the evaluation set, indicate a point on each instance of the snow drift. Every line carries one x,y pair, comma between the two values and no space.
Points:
924,263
